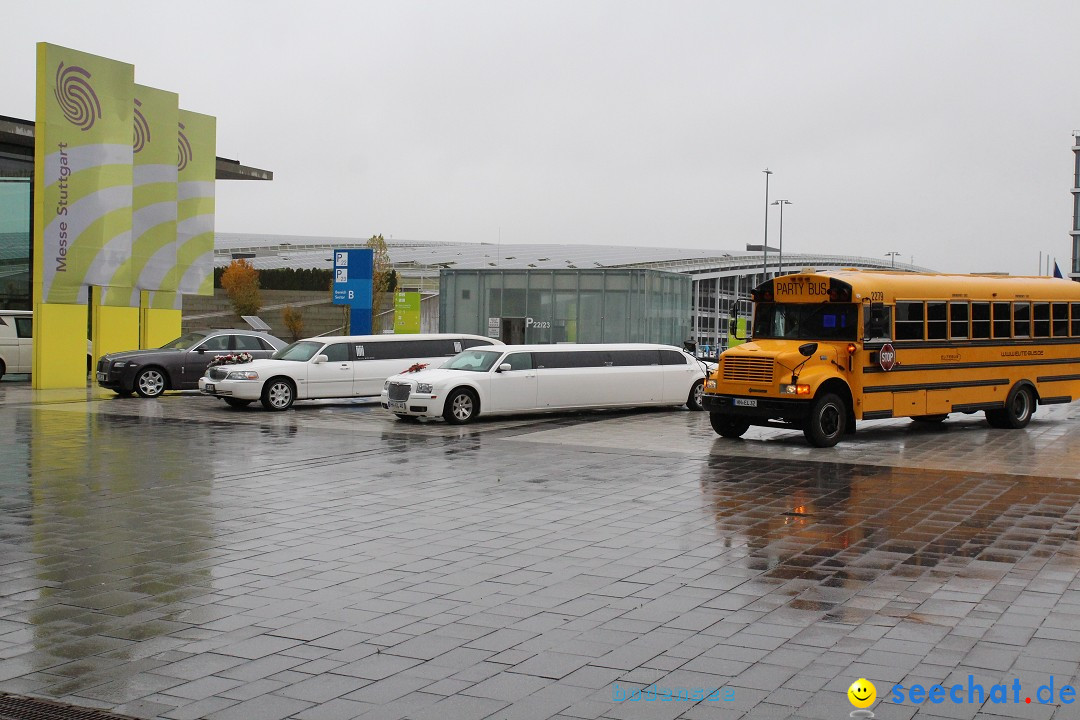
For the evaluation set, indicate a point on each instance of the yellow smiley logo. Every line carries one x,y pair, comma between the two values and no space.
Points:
862,693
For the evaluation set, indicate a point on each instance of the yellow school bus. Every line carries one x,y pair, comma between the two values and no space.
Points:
831,348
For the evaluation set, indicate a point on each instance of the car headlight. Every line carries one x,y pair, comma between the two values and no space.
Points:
119,364
243,375
711,384
386,385
424,388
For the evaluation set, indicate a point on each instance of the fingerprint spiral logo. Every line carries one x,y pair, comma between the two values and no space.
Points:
185,149
142,128
76,96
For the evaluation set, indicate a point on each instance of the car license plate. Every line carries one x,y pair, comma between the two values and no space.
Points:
397,404
209,387
101,377
746,402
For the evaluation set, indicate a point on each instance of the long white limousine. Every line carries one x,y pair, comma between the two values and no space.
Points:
331,367
531,378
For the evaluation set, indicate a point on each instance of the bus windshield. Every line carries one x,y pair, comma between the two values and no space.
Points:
802,321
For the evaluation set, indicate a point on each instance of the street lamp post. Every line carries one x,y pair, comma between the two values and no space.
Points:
765,245
893,255
780,263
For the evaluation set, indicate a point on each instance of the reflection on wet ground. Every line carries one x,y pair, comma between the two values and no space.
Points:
175,559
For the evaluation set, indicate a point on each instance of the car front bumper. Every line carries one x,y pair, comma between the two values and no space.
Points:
241,389
415,405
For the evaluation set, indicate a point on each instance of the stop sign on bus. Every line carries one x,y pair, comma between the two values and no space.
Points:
887,357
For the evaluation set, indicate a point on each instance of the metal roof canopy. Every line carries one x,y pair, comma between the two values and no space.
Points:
17,138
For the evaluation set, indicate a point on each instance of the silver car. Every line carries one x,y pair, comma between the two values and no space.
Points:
178,365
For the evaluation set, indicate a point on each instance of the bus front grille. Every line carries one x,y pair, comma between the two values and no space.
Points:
748,369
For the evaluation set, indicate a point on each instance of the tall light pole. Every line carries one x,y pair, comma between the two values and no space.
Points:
765,245
893,255
780,264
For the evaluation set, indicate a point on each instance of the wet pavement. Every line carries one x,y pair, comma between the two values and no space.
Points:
174,558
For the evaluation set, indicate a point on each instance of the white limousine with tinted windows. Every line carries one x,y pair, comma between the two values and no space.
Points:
331,367
532,378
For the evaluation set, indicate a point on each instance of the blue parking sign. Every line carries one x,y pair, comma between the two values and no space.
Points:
353,286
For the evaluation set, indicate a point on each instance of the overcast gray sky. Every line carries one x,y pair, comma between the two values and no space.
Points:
941,130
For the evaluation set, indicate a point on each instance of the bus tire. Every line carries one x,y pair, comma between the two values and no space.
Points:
462,407
727,426
827,421
1017,411
693,400
930,419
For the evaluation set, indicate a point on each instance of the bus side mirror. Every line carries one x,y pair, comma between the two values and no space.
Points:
733,329
807,349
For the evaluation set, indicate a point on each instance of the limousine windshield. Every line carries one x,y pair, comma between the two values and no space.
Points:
474,360
300,351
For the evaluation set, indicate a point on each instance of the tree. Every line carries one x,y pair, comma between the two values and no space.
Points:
241,283
383,277
293,318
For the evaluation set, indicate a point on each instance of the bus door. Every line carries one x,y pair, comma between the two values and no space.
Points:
877,333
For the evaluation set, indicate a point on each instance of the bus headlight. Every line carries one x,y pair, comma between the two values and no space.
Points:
711,384
794,389
423,388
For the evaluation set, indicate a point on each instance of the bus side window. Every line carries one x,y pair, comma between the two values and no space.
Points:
1061,319
1075,319
980,320
1021,319
1002,320
936,321
877,322
958,320
909,321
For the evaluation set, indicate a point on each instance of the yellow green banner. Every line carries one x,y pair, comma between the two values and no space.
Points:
83,177
197,166
406,312
152,264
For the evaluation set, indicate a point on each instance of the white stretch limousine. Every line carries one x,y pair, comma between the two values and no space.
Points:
530,378
331,367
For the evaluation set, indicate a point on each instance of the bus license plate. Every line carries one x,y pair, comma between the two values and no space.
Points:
746,402
397,405
208,387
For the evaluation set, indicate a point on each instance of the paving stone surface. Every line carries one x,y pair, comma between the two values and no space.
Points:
173,558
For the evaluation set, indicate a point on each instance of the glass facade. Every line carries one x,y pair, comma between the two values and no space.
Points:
579,306
16,186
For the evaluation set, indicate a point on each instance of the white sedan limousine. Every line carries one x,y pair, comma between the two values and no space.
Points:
532,378
331,367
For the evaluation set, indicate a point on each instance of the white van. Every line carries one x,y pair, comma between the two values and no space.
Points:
332,367
16,341
531,378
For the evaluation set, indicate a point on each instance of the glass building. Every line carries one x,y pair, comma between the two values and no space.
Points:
581,306
16,186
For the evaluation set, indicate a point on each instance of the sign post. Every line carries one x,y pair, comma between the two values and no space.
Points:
352,287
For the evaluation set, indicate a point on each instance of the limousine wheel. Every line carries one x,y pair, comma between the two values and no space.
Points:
237,402
150,383
462,407
278,394
727,426
827,421
693,402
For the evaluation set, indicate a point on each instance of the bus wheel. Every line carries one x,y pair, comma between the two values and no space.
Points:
930,419
1017,411
827,421
727,426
